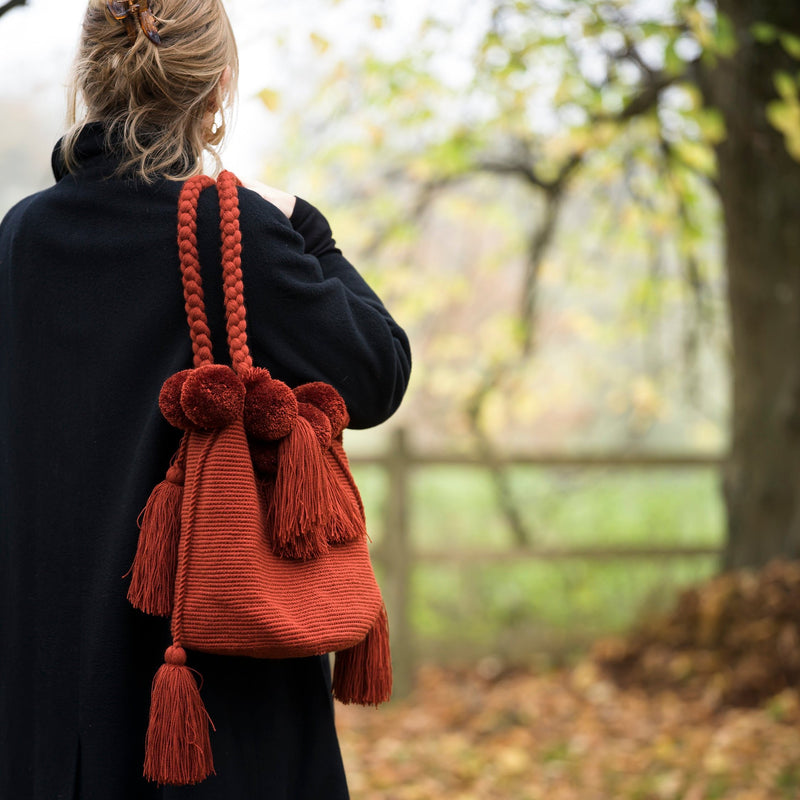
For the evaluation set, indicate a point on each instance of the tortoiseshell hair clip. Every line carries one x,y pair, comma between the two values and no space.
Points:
134,13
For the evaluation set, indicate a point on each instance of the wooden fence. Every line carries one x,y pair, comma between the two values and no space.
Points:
397,556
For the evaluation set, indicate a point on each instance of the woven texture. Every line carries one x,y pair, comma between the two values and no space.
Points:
233,595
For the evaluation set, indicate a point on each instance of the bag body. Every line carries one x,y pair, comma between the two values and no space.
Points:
255,542
233,595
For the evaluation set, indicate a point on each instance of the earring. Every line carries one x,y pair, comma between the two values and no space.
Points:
218,124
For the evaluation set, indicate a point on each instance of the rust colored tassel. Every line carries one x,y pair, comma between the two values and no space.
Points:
346,522
301,505
153,570
177,747
363,674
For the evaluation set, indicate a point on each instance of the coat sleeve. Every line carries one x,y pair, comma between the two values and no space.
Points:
312,317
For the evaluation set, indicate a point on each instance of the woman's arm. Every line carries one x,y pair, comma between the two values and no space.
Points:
311,316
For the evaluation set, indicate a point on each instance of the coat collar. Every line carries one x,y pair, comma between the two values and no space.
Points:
92,152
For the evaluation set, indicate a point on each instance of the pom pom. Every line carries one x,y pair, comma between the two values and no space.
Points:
256,375
319,422
169,401
212,396
270,407
328,400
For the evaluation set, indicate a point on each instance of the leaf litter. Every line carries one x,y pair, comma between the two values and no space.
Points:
701,704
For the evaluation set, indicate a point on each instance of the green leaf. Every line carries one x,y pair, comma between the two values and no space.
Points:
785,85
712,124
673,63
764,32
725,42
791,44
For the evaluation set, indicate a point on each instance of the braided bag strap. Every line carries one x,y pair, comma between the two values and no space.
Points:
194,302
235,317
231,251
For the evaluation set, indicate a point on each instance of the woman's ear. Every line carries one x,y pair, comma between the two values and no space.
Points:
217,99
225,78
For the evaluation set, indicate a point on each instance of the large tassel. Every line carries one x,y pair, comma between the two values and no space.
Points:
153,570
346,522
301,503
177,747
363,674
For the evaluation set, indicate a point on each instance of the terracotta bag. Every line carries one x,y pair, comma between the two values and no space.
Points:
255,542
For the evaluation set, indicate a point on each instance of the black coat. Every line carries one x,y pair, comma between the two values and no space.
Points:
91,323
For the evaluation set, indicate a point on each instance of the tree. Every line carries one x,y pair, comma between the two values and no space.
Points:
759,188
690,100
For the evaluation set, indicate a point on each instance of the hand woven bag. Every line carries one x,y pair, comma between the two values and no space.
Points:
255,542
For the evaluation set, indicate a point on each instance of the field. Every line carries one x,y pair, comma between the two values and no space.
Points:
547,609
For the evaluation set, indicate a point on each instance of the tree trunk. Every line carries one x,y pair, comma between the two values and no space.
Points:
760,192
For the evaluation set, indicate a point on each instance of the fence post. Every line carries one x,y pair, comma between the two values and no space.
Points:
398,561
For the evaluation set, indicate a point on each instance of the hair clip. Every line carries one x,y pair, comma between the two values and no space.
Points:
131,12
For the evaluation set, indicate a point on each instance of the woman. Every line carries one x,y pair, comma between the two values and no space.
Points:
92,322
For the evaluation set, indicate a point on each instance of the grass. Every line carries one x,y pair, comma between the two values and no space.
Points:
511,609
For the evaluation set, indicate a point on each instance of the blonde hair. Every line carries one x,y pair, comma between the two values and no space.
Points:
156,102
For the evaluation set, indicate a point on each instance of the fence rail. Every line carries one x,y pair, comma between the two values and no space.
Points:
554,459
397,556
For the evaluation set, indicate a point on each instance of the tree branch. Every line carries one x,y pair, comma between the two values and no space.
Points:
499,372
6,7
516,167
646,100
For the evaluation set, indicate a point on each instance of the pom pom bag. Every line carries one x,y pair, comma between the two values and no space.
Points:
255,543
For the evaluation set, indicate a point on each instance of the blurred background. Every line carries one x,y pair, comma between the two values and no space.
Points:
585,517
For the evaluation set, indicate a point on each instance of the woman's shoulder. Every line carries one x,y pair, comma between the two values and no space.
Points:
17,215
251,204
261,221
256,209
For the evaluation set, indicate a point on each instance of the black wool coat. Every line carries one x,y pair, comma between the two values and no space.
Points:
91,323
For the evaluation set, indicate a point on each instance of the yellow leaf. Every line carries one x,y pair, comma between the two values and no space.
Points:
785,117
270,98
698,156
320,44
